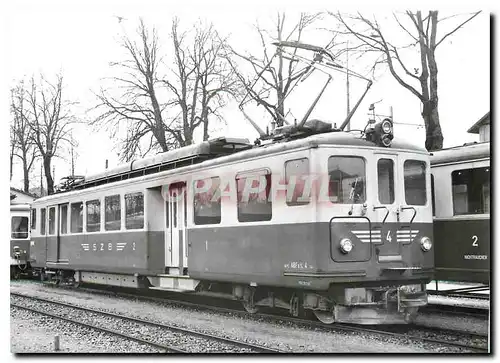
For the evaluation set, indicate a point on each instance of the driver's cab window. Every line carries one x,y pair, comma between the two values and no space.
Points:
347,179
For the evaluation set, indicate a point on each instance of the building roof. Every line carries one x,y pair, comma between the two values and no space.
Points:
485,120
21,191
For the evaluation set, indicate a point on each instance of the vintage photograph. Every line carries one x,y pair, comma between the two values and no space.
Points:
195,178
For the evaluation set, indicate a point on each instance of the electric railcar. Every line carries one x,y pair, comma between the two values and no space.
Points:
461,200
19,239
333,222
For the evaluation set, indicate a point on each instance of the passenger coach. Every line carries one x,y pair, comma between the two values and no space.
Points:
19,239
461,200
334,222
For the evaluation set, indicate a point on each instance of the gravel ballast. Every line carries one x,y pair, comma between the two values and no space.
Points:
285,336
34,333
164,336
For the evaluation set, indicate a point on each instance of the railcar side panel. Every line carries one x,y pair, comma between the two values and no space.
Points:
130,252
463,251
300,255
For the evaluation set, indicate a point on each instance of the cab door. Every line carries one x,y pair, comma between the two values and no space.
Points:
387,197
175,229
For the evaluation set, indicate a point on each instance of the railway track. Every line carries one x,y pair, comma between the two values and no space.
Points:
161,335
453,310
410,333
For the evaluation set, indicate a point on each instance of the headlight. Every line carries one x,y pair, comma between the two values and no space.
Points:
346,245
387,140
425,243
386,127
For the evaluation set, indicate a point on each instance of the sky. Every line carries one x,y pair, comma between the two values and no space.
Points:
80,38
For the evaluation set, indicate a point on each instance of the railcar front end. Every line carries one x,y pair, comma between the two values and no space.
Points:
19,239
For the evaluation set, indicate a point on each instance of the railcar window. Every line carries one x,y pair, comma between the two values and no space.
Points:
19,227
33,219
346,179
385,173
52,220
167,213
471,191
207,202
93,215
254,203
185,208
433,196
134,211
64,218
76,217
415,189
174,209
112,213
42,221
296,174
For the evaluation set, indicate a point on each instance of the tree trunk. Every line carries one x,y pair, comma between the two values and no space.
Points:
11,163
48,175
188,137
26,176
434,136
280,109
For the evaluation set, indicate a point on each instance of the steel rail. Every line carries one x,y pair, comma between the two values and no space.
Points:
314,324
208,336
94,327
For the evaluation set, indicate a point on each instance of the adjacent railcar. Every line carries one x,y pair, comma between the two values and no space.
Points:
332,222
461,200
19,239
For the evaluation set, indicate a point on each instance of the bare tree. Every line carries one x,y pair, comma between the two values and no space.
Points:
137,105
165,108
423,35
278,75
48,115
202,79
12,147
22,142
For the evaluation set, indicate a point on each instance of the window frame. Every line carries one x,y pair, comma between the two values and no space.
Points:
33,219
394,163
27,227
469,213
82,217
106,198
43,221
196,220
433,196
365,189
61,206
426,171
143,210
296,203
92,202
267,173
54,226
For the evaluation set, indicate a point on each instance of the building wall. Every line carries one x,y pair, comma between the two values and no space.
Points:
484,133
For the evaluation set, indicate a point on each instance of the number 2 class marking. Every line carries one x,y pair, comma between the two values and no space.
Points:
474,241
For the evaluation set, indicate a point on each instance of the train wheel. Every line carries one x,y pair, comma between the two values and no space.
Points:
326,317
248,302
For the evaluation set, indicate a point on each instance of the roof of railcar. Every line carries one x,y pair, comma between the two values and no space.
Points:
331,138
461,153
